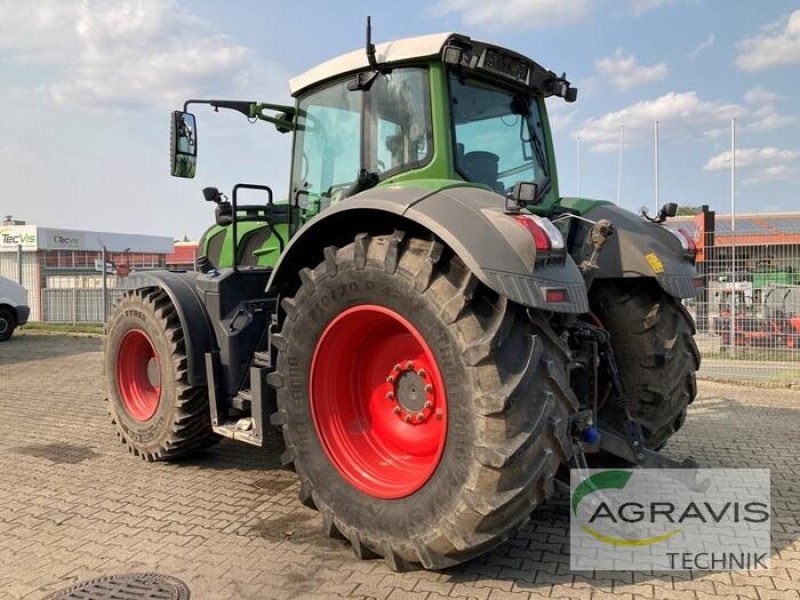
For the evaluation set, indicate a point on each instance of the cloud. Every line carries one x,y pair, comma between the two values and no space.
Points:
38,31
772,174
760,95
560,114
702,46
639,7
776,45
766,118
685,110
761,165
753,157
763,115
516,15
625,73
131,53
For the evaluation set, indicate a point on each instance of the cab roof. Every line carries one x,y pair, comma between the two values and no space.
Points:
424,46
461,50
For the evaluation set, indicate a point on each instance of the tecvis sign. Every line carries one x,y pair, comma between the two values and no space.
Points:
14,236
61,239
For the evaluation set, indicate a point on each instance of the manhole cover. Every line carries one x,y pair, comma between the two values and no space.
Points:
132,586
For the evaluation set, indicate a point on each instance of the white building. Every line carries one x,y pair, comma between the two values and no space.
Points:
55,264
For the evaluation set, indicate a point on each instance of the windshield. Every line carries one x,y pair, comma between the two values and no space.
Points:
498,135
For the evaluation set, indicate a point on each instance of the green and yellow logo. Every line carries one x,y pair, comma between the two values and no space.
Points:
10,237
627,512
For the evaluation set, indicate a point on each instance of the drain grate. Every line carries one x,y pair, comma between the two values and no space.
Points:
131,586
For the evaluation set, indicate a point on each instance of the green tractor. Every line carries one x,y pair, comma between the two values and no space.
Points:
436,332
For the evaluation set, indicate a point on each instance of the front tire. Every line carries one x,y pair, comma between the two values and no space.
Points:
7,324
425,416
157,414
653,340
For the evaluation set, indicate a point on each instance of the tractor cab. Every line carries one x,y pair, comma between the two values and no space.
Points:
432,112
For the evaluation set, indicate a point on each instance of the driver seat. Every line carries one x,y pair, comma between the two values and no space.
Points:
482,167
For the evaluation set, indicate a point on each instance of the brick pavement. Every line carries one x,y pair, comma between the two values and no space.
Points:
74,505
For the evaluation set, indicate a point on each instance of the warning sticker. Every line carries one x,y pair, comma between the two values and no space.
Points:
655,263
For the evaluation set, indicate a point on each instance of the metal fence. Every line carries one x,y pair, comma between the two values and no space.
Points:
75,305
748,316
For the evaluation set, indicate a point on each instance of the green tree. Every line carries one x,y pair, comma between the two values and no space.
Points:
688,211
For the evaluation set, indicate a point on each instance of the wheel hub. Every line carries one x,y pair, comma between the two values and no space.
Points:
138,375
153,375
378,401
409,386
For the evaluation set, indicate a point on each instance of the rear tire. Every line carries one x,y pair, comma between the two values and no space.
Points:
157,414
7,324
505,402
653,340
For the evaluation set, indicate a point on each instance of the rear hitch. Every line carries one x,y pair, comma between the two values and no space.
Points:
625,440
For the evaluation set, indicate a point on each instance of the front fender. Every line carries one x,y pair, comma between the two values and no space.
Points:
469,220
639,248
198,333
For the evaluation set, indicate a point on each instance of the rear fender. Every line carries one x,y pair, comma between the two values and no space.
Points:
470,221
639,248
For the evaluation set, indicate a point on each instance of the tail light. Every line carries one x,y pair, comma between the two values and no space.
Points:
546,236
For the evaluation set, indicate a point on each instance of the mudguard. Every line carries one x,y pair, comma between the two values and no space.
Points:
197,330
643,249
470,220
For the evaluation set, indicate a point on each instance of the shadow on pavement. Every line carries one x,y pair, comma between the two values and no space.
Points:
27,347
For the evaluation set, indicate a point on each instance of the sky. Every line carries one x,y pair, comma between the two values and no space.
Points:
87,87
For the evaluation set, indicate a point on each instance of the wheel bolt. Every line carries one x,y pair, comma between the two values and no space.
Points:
428,405
390,379
396,410
408,418
429,388
389,395
420,417
421,372
410,366
397,367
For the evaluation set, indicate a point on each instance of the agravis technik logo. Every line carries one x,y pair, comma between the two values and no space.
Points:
627,512
669,519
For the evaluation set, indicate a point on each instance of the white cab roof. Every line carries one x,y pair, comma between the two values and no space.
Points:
423,46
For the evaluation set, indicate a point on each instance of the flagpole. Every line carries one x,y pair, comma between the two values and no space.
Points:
733,237
578,174
619,172
655,144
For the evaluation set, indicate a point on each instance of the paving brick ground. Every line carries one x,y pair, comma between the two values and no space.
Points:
74,505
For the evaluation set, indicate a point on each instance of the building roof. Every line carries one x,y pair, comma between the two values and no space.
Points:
422,46
33,237
183,253
752,229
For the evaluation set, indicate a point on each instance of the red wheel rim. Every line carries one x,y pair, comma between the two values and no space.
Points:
378,401
138,375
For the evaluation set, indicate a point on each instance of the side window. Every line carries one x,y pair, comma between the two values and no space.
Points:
327,145
396,134
399,114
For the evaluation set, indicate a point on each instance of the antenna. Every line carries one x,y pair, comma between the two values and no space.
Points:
363,81
370,46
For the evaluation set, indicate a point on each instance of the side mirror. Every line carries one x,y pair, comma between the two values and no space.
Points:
670,209
212,194
183,144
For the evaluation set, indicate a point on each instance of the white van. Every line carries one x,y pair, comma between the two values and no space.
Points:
14,309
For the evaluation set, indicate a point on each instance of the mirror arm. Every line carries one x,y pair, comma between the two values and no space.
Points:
246,108
283,121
